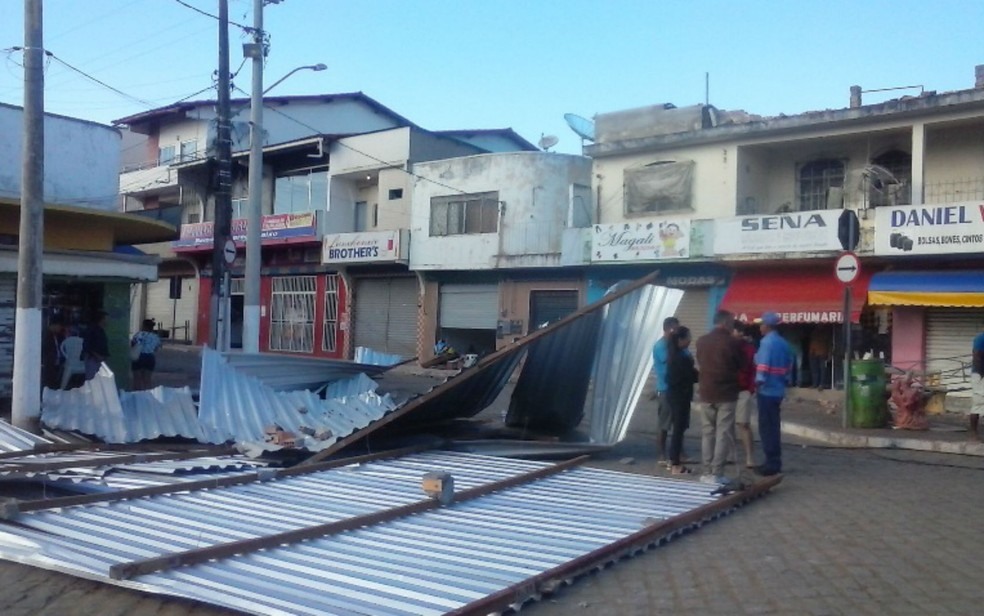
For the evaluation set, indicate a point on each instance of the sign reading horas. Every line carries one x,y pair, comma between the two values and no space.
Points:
786,232
641,241
930,229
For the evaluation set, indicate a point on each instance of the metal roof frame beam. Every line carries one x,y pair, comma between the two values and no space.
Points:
20,465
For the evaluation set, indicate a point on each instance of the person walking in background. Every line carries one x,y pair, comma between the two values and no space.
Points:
773,369
719,356
819,352
746,395
147,343
976,387
52,360
95,345
681,375
663,413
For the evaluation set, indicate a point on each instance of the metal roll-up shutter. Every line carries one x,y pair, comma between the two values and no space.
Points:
8,290
386,315
949,334
469,306
551,306
693,311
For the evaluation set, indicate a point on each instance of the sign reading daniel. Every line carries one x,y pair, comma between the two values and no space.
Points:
947,228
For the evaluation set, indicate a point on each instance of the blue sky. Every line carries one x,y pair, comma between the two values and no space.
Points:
496,63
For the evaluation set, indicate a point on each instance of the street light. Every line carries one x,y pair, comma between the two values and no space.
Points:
251,307
311,67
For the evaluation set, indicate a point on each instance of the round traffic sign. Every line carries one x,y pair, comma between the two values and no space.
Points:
229,251
848,267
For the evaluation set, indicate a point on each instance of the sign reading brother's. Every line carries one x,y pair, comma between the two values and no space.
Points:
367,247
788,232
641,241
930,229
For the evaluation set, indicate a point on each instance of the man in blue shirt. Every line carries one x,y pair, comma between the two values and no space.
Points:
773,370
977,386
660,358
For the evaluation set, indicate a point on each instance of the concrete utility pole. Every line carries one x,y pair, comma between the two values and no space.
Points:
251,313
222,227
26,402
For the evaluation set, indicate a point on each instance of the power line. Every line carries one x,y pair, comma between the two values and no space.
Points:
243,27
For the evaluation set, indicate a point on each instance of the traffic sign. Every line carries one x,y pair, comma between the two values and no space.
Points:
229,251
847,268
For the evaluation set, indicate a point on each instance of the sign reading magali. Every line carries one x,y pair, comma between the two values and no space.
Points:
367,247
930,229
274,229
641,241
787,232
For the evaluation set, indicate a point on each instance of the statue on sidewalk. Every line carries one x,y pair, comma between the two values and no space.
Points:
909,398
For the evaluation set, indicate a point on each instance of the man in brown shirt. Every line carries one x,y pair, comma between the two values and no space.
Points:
720,359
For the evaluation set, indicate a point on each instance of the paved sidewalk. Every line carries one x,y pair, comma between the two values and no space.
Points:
817,416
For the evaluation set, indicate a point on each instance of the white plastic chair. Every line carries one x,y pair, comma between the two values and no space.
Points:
71,349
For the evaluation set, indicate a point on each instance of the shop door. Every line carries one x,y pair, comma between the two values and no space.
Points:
8,288
949,334
693,311
548,307
292,314
386,315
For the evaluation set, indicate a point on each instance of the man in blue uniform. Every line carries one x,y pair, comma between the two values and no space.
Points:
773,370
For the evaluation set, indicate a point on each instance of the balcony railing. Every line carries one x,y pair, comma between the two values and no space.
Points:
954,191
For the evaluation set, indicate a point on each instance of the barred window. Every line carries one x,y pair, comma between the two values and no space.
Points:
465,214
821,184
292,314
329,336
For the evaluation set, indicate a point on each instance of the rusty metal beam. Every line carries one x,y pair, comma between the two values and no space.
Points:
125,447
12,509
30,466
521,592
482,365
123,571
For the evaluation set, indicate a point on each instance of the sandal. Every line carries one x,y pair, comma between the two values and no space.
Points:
681,470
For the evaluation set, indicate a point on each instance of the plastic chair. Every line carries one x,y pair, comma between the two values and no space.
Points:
71,349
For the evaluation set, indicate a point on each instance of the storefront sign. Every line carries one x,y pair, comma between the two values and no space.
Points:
813,316
789,232
930,229
641,241
278,228
366,247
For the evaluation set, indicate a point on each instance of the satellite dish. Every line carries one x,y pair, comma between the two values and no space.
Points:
547,141
584,127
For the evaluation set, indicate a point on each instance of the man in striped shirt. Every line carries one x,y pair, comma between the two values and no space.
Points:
773,369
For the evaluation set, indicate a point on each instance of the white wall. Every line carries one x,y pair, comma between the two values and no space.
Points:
954,154
390,147
534,193
81,158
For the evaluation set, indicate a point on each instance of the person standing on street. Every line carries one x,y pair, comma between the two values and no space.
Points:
819,351
977,387
681,375
773,369
663,414
719,357
746,397
95,345
148,344
52,360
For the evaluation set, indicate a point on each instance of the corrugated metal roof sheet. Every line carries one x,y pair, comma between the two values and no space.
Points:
430,563
290,372
13,438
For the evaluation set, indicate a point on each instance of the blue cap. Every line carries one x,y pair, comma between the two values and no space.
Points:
771,319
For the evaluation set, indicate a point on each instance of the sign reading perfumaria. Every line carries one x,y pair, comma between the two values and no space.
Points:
641,241
787,232
948,228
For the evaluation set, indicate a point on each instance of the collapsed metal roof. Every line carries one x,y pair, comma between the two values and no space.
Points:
351,540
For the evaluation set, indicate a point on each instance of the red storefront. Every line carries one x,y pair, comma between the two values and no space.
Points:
302,302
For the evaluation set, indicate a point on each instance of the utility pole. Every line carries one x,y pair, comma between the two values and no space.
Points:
26,401
222,227
251,313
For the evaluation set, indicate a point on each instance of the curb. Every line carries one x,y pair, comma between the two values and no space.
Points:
861,441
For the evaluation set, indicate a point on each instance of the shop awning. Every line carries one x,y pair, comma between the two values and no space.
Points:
958,289
799,295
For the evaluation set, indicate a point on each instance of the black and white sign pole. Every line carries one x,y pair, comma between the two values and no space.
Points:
847,269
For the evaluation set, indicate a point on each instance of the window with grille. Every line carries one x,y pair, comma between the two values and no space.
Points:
165,155
465,214
189,150
821,184
292,314
329,336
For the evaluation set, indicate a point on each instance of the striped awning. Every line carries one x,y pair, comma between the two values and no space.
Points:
953,289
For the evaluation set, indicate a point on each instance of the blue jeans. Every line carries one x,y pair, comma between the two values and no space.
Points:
768,419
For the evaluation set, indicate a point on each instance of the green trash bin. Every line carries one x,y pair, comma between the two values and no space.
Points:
869,405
